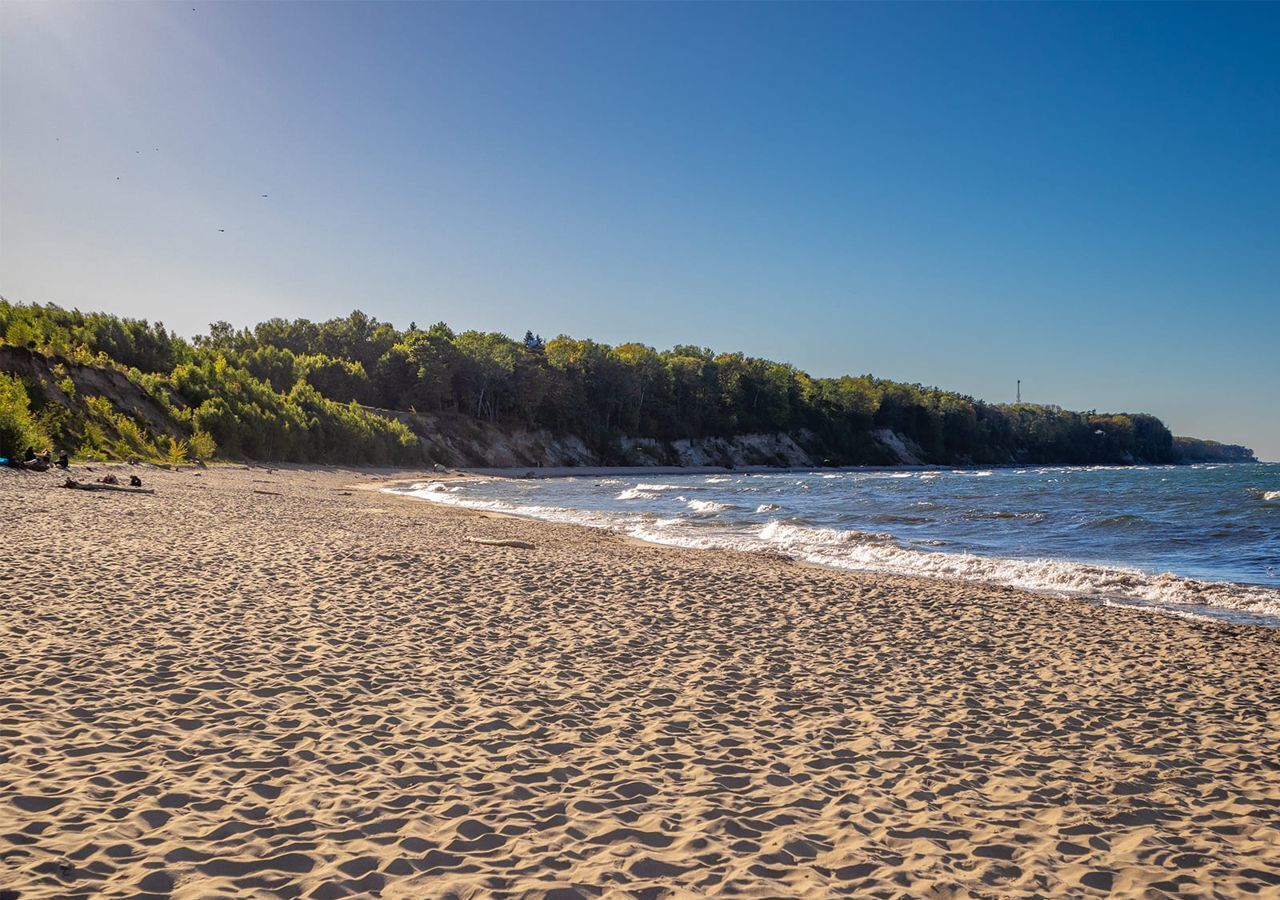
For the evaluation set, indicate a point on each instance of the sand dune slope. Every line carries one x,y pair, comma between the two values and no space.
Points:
328,692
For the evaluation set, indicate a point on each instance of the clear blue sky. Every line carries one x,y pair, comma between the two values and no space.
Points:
1086,197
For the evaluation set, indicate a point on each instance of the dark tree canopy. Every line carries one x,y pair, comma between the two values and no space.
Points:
255,391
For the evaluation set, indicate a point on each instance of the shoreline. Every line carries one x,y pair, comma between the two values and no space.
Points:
280,680
1202,612
1155,612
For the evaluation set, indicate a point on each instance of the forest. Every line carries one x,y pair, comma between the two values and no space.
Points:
297,390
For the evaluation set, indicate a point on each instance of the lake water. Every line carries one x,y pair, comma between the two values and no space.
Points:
1202,541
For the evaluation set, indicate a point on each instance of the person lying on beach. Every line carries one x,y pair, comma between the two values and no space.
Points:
36,463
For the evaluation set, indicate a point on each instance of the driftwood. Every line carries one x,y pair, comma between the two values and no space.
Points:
491,542
268,493
98,486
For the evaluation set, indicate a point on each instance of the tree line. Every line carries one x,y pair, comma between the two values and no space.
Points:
297,389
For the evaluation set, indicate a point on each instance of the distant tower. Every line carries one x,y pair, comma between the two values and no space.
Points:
1019,390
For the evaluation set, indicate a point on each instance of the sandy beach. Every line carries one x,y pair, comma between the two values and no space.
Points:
285,683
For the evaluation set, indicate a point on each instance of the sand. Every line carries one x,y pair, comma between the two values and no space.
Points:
325,691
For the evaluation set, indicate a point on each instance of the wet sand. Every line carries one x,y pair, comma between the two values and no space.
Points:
285,683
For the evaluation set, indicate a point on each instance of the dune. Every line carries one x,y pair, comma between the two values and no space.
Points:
285,683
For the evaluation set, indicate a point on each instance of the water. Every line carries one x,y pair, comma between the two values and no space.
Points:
1200,541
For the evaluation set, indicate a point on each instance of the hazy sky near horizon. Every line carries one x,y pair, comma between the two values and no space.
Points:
1085,197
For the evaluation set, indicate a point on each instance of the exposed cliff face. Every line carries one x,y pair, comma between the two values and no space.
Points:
742,450
455,440
906,452
48,375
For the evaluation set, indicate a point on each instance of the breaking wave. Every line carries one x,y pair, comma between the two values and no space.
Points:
1191,542
878,552
708,506
646,491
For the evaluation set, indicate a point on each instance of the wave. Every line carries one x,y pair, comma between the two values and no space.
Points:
635,493
562,514
708,506
1004,515
900,519
647,491
1120,522
435,487
990,558
791,536
881,553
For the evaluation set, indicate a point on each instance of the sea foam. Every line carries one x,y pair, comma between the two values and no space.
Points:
1124,536
708,506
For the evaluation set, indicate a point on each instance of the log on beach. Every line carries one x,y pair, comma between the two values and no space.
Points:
98,486
492,542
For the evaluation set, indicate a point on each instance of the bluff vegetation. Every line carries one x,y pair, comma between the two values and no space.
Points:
356,390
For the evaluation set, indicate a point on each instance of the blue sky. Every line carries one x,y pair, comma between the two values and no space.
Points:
1086,197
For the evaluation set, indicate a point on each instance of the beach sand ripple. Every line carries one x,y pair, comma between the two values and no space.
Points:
331,692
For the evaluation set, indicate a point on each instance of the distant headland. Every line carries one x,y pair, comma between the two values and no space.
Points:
358,391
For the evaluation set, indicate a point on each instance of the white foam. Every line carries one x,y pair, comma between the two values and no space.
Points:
800,536
856,550
878,552
647,490
636,493
708,505
437,487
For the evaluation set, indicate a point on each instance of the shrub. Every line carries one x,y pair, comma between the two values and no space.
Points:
176,453
18,427
201,445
